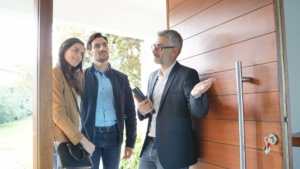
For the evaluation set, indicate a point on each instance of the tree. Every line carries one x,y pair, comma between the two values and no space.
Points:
16,98
125,56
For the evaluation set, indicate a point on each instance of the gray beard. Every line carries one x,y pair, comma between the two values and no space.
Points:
163,60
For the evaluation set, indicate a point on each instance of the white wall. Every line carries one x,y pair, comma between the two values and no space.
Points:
292,24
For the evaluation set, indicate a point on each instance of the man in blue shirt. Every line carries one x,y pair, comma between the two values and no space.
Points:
106,105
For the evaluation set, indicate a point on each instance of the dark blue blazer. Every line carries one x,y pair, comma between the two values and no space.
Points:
175,142
124,104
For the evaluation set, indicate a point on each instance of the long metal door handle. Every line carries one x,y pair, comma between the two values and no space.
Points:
239,80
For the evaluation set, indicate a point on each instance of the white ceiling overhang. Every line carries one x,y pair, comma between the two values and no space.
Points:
133,18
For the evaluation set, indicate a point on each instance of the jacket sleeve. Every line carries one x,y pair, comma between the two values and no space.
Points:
59,109
198,106
142,117
130,117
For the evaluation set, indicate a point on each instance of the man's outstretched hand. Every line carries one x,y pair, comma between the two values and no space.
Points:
202,87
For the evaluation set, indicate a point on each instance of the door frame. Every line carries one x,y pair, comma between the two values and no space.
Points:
42,89
284,87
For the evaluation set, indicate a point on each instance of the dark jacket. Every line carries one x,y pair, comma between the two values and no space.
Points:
124,104
175,142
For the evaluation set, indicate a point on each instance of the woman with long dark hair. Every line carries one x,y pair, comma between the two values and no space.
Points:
67,77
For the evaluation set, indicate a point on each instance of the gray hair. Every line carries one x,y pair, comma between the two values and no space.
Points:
173,36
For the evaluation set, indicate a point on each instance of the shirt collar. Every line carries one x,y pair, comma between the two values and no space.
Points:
166,72
105,72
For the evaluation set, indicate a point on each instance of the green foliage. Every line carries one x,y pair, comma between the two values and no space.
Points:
125,57
16,99
133,162
124,52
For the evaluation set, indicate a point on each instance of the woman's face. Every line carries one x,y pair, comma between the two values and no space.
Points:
74,54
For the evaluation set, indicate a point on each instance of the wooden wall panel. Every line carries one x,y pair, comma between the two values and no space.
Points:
258,159
251,52
188,9
223,155
227,132
265,79
217,15
174,3
228,156
204,166
249,26
217,33
257,106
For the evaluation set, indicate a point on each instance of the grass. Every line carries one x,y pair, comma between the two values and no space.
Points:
16,144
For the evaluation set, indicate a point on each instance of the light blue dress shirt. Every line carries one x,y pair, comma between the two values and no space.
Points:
105,108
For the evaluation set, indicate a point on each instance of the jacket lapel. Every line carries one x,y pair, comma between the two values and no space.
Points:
153,79
169,82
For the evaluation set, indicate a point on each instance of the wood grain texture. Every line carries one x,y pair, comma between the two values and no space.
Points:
265,79
296,139
254,24
202,165
216,34
174,3
228,156
251,52
42,115
227,132
189,8
257,106
217,15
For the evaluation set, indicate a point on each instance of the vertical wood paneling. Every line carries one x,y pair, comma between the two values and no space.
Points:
42,115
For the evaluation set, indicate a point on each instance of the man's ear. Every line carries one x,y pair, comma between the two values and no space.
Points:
175,51
89,53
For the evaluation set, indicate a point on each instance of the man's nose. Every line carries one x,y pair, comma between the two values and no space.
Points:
102,48
154,50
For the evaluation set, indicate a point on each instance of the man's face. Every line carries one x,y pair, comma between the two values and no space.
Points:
99,50
164,56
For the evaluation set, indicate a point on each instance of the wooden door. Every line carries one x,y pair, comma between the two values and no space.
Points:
217,33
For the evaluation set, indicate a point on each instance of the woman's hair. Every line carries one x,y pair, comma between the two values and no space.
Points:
73,75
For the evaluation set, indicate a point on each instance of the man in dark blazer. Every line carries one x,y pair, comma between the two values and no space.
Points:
107,107
175,94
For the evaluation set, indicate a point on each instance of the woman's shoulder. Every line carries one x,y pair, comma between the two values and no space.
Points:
56,70
57,74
